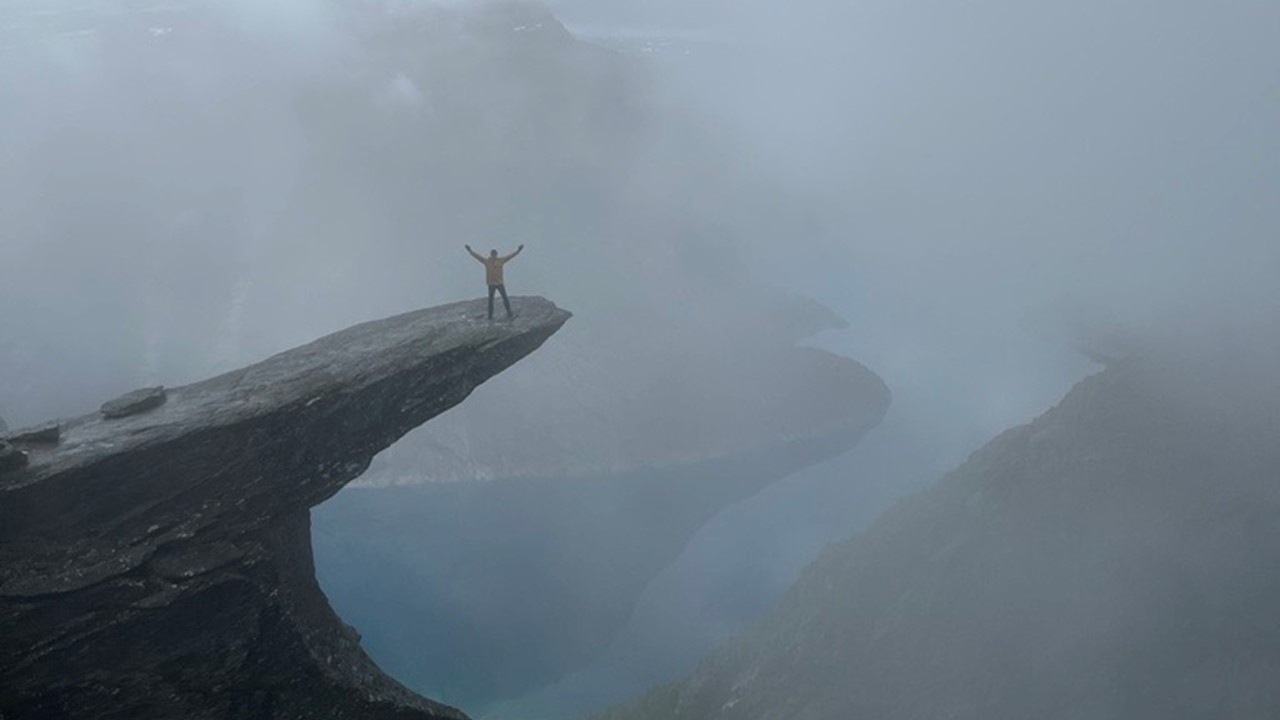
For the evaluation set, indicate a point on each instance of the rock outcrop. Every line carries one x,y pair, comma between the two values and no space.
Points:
11,458
1115,558
159,565
49,433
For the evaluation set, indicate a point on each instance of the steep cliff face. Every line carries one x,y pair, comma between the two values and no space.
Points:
159,564
1113,559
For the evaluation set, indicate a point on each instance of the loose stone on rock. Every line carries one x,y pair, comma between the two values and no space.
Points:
11,458
47,434
138,401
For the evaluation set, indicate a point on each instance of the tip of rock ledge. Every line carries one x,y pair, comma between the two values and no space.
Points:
527,311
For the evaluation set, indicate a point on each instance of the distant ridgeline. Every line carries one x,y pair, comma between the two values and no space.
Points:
1115,558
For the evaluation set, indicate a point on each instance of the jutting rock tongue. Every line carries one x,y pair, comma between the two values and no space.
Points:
158,564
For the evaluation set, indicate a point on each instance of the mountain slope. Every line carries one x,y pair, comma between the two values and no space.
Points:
1114,558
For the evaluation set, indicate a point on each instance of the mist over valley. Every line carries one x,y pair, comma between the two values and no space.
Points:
921,359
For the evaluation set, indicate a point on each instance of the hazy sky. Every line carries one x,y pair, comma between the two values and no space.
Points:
977,183
954,179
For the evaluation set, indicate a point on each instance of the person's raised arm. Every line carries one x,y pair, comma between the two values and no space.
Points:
517,252
474,254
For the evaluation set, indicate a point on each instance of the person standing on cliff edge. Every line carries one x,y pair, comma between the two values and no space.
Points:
493,275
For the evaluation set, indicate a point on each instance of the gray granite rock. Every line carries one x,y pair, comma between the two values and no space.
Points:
159,565
11,458
133,403
46,434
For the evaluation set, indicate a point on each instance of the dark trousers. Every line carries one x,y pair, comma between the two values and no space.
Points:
505,302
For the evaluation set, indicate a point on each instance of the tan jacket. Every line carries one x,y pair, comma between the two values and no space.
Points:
493,266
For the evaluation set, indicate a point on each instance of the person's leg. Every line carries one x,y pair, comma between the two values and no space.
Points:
492,288
505,302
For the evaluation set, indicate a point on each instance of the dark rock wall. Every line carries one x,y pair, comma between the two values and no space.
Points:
160,565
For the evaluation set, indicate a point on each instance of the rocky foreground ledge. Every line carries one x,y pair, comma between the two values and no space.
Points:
159,564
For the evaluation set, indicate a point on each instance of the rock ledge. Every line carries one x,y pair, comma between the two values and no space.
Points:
159,564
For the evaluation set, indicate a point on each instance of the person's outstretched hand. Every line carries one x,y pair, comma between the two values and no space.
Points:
520,248
467,247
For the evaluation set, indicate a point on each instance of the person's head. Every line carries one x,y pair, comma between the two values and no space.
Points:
493,253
